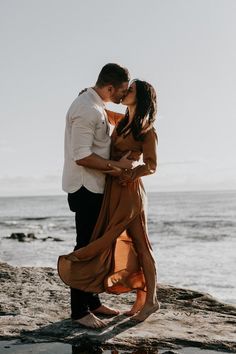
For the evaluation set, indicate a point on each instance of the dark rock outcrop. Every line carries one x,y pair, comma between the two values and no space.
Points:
22,237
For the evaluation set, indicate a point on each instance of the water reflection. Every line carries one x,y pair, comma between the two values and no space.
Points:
94,350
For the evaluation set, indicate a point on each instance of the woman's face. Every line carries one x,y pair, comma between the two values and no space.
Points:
130,98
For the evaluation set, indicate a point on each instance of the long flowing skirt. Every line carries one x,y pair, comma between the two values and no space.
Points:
111,262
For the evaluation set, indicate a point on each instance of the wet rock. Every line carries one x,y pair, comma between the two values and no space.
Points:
57,239
35,307
22,237
31,236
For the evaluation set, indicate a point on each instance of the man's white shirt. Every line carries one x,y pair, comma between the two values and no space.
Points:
86,132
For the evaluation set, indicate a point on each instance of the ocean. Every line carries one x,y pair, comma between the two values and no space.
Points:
193,235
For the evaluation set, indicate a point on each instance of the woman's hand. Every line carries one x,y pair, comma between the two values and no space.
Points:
125,177
124,162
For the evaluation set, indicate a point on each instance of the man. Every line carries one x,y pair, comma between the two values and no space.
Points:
87,151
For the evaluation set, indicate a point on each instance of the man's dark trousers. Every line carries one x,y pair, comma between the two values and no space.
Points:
86,206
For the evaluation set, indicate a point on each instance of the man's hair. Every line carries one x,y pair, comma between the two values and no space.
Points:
112,74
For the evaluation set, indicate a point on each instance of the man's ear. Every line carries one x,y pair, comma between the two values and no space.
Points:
110,88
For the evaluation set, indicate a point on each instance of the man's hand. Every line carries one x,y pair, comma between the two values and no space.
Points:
114,171
124,162
99,163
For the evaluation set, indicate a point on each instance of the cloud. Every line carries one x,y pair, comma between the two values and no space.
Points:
179,163
181,175
5,147
17,186
189,175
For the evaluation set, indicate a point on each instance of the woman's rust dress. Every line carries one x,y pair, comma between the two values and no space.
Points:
112,261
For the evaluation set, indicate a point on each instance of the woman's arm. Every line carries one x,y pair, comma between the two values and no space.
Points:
149,166
114,117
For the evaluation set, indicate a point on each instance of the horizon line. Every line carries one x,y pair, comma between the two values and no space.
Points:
148,192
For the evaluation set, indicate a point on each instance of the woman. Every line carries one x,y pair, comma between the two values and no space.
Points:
119,257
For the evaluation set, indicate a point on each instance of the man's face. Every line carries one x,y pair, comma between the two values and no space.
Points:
117,93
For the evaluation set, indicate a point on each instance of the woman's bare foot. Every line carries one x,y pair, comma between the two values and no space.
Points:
146,311
139,302
90,321
132,311
104,310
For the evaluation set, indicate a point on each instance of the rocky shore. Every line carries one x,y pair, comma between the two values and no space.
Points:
34,307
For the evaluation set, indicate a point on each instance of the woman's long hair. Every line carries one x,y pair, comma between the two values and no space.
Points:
145,113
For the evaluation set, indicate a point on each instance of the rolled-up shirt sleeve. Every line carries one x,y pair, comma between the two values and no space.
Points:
82,134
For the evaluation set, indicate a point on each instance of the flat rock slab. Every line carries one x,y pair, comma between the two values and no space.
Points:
34,307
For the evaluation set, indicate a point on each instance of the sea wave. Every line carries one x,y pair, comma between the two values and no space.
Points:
36,218
193,223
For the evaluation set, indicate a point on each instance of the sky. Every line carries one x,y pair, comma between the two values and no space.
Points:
51,49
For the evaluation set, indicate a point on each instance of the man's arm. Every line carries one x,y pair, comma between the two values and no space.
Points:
99,163
82,137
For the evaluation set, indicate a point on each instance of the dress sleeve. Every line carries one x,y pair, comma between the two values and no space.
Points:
149,149
114,117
